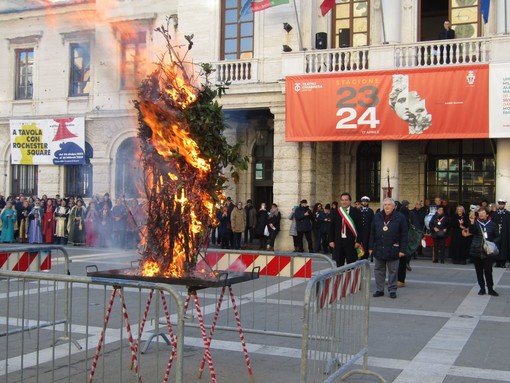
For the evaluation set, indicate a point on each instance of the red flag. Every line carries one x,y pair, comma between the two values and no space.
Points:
326,6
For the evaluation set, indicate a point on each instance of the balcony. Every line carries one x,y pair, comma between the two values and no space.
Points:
438,53
237,72
442,52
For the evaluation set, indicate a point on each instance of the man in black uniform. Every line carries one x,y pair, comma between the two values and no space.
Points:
500,217
345,234
367,216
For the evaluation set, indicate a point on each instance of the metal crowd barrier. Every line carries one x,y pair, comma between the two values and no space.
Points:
107,330
272,304
39,258
335,328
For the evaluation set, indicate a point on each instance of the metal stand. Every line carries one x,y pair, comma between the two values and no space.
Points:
134,359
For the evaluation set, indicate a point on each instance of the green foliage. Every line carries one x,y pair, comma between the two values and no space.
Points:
204,118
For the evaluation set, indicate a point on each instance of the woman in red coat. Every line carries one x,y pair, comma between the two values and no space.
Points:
48,222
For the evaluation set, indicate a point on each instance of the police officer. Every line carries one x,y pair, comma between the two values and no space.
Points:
500,217
367,216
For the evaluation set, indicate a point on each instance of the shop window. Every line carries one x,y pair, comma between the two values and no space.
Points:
24,179
463,171
78,178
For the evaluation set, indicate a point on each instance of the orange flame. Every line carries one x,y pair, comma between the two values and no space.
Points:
187,169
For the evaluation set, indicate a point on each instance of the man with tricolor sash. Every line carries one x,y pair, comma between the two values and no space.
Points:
344,234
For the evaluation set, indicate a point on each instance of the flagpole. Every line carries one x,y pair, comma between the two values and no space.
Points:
300,41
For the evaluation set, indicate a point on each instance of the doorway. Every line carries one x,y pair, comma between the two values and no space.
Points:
432,16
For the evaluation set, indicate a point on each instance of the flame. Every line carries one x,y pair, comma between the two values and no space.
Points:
181,200
150,269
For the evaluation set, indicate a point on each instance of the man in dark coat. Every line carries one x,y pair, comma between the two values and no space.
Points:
367,216
345,235
304,216
417,219
388,241
501,218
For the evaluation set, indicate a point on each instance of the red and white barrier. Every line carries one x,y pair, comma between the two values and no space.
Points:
338,287
270,265
25,261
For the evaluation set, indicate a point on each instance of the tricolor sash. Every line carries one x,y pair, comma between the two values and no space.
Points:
347,221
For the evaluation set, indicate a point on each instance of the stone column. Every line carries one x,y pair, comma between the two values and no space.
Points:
48,184
6,179
391,21
409,18
503,20
307,172
324,172
286,177
103,176
503,168
390,164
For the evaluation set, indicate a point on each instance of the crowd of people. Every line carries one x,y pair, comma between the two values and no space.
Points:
69,220
390,236
236,219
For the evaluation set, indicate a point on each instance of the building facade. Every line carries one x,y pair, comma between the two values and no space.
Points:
70,59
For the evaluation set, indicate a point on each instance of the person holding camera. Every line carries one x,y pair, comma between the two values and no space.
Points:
481,228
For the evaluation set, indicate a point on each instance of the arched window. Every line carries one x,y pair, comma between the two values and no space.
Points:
129,181
368,175
463,171
78,178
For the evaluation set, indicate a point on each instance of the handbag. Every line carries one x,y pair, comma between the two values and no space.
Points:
490,248
266,231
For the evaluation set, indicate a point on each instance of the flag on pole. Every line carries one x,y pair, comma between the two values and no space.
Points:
326,6
485,10
259,5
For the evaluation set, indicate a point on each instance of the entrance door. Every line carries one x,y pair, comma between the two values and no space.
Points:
263,171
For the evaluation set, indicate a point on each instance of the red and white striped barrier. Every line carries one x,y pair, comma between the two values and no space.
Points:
270,265
25,261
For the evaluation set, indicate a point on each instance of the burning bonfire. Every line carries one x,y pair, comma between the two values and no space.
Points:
184,155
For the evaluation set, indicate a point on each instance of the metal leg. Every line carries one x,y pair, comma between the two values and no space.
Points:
211,332
241,334
207,344
101,337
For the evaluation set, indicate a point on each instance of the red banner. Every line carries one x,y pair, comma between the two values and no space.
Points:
418,104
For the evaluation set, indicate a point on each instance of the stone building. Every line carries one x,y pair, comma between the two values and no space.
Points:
68,59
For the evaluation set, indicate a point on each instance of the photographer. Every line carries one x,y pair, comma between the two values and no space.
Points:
482,227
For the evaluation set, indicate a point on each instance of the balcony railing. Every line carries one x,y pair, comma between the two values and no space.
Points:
436,53
442,52
237,72
339,60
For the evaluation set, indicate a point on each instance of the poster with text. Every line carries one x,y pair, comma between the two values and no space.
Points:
415,104
499,90
59,141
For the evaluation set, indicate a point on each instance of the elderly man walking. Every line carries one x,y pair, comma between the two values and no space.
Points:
388,242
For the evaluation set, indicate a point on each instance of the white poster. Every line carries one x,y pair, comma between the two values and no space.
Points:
59,141
499,101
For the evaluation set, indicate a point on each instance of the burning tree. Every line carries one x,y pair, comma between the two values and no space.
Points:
184,154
